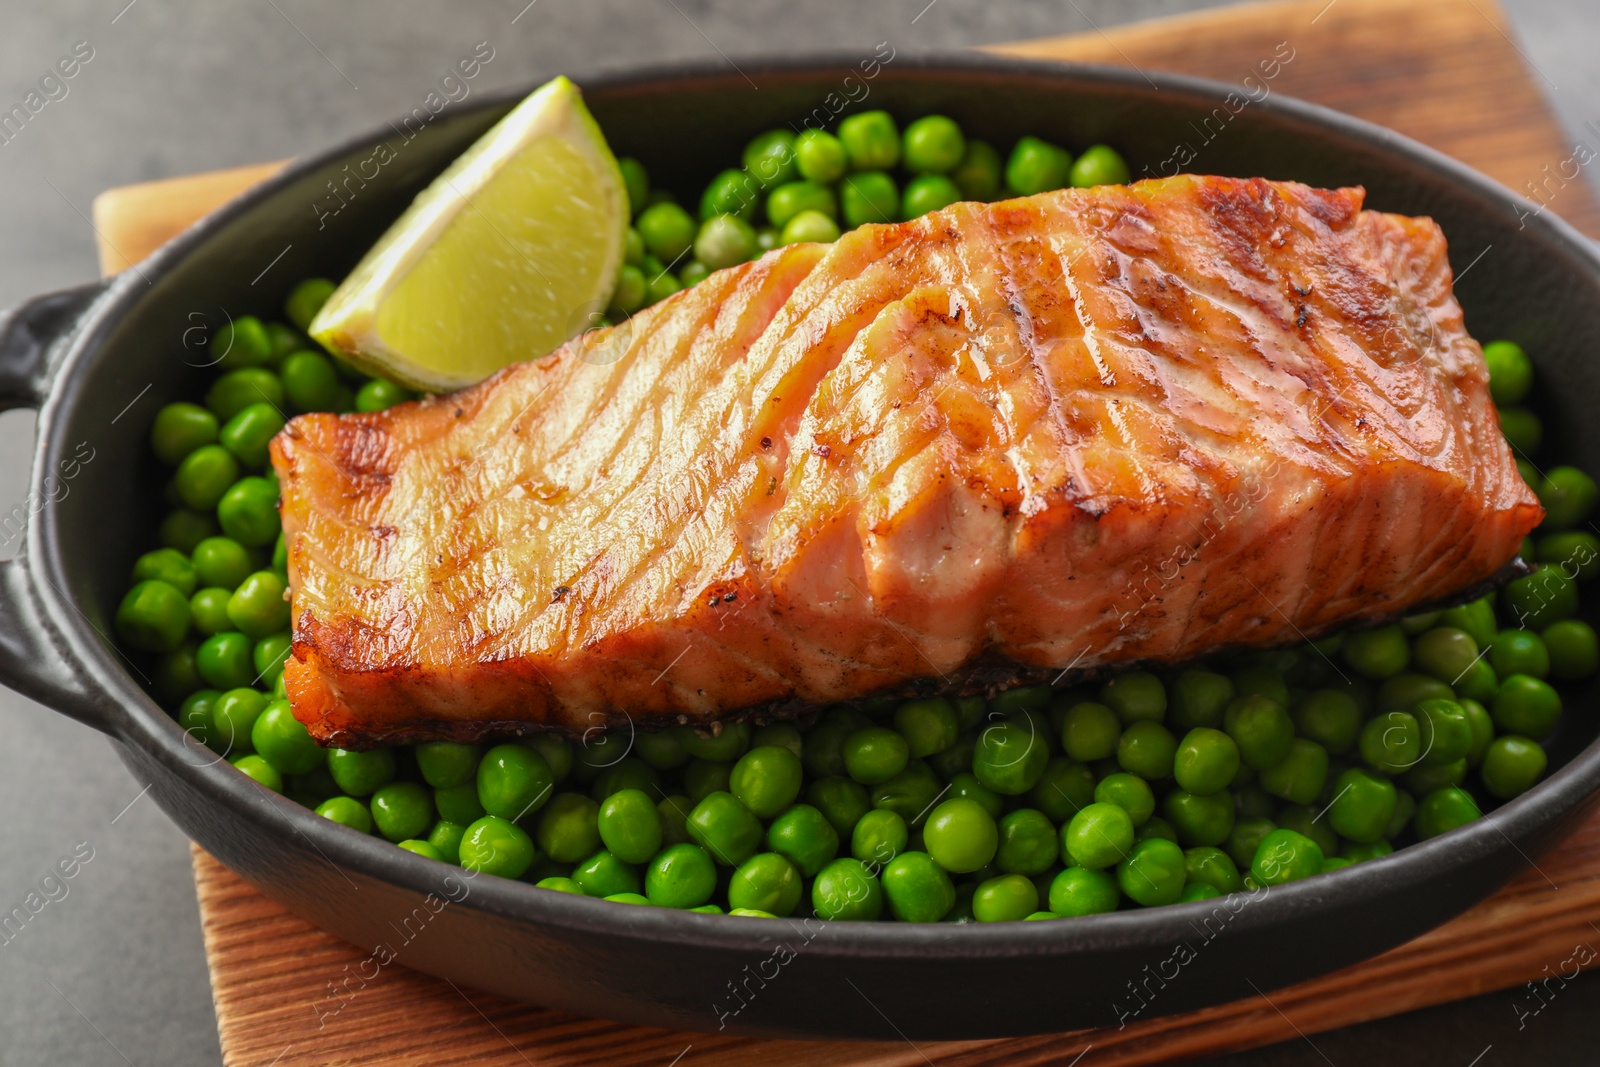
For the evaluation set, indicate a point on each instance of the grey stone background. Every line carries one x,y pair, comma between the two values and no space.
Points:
113,973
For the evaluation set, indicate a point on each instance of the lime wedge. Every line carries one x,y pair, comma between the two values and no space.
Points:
511,251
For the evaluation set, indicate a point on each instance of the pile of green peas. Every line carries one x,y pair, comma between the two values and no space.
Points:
1146,788
813,185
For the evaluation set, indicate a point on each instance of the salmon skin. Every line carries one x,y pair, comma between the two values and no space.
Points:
1085,428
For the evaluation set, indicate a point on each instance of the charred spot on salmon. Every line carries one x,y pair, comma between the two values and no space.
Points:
970,541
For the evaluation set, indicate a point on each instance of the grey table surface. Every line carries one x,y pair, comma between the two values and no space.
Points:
114,972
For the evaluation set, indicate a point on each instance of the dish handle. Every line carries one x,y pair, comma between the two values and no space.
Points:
31,659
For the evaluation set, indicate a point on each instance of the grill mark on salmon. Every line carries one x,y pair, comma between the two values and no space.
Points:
1086,428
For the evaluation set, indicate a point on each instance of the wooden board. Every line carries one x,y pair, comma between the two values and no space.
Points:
1442,71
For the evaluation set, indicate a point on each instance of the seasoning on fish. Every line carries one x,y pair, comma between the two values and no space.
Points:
1088,427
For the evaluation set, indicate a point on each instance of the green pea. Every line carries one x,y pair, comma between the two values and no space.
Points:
1446,731
1004,898
909,794
805,836
917,888
1154,872
1511,765
1330,717
1526,706
979,172
194,715
871,140
630,825
667,229
1446,652
1130,793
310,382
845,890
732,192
492,845
765,882
179,429
783,734
282,741
928,192
514,781
662,749
1377,653
1099,836
1064,788
446,763
234,716
1363,806
1568,496
875,754
1285,856
306,299
1573,649
606,875
1135,696
221,562
927,725
674,811
1261,728
1200,820
770,157
347,811
402,810
1408,689
1211,867
1206,761
1577,552
1522,429
933,144
961,836
1541,598
726,828
1425,778
1099,165
241,342
1037,166
766,780
680,876
1391,742
248,511
1261,680
1361,853
1299,776
1520,652
204,476
1080,891
693,273
225,660
269,655
258,608
248,433
568,828
1443,810
1476,617
1029,843
175,674
1510,372
260,770
1010,756
870,196
153,617
725,745
380,394
723,241
445,837
1199,698
182,529
820,156
792,198
237,390
361,773
637,182
1090,731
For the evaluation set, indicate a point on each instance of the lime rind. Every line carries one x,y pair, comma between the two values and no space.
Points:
350,322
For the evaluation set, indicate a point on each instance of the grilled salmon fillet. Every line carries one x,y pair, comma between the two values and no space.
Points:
1082,428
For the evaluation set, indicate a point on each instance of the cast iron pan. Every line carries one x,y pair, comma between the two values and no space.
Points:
98,362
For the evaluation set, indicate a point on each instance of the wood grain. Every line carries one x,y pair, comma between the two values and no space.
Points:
270,973
1442,71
